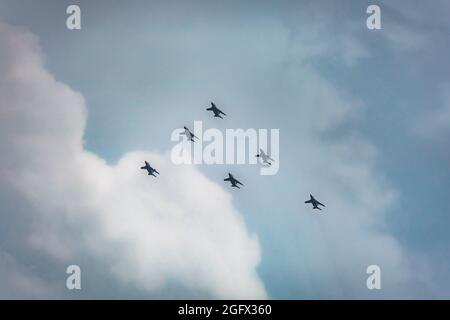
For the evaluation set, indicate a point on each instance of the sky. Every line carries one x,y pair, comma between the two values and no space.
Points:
364,122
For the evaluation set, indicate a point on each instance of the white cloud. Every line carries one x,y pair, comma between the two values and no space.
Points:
110,210
434,122
179,228
340,168
19,282
405,37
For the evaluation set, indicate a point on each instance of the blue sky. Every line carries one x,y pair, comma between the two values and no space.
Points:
364,119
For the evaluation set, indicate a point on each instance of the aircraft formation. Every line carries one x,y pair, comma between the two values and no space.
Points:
265,159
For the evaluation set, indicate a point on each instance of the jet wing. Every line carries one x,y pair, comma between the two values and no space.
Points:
320,204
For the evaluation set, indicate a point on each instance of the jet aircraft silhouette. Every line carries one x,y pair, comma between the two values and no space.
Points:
234,182
190,136
314,202
265,158
151,171
217,112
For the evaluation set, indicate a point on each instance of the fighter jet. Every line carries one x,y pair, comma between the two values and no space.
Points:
234,182
265,158
217,111
149,169
190,136
314,202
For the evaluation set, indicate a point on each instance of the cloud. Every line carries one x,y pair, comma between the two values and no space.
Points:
66,203
415,30
435,122
256,66
19,282
306,255
325,157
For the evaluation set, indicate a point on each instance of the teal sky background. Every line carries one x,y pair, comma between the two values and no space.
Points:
375,100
